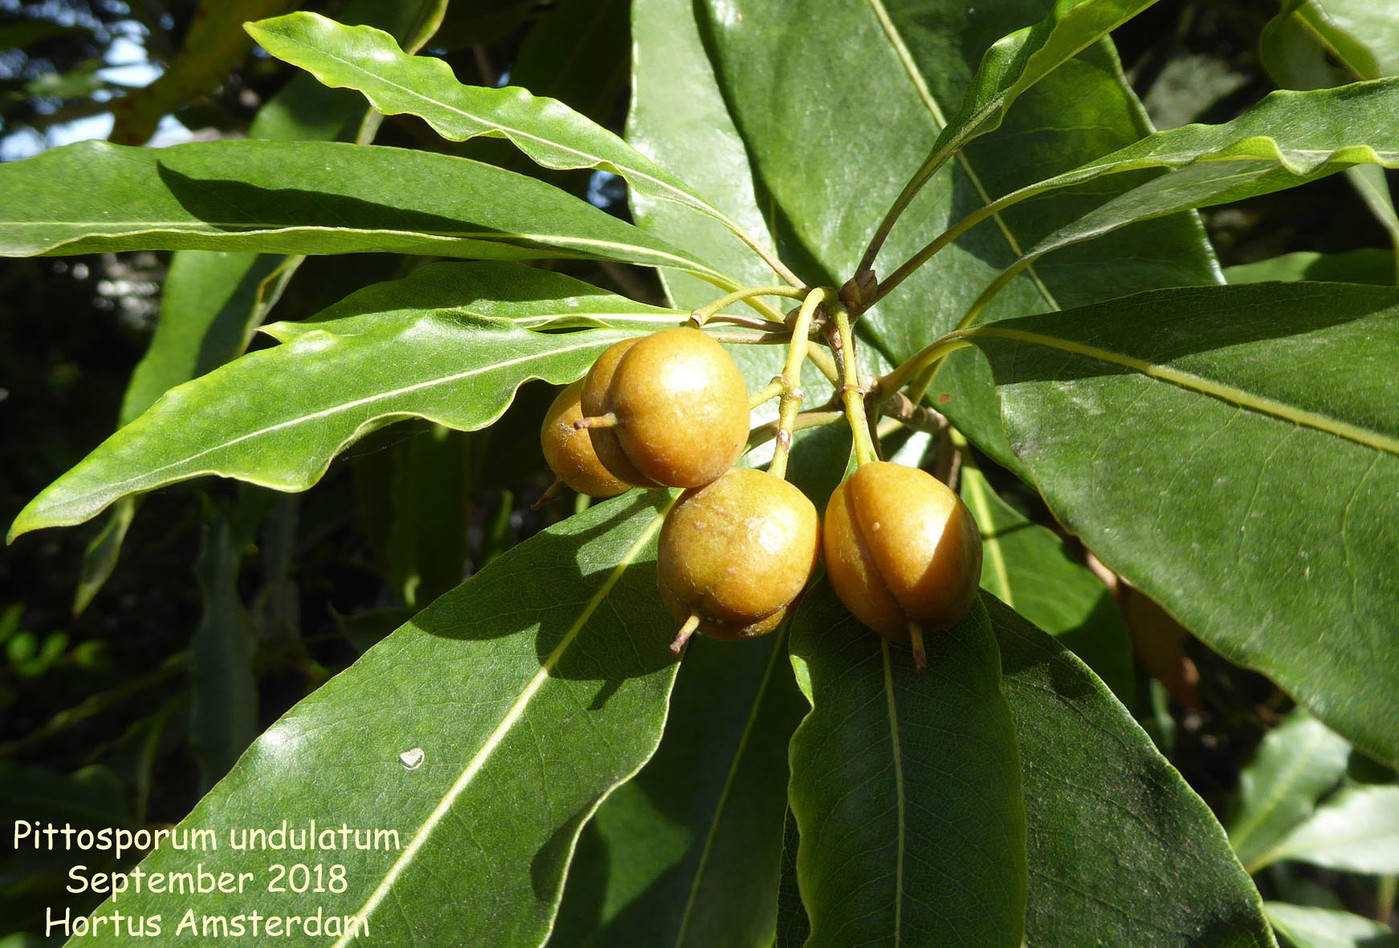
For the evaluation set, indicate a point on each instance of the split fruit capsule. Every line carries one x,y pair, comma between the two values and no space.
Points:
902,552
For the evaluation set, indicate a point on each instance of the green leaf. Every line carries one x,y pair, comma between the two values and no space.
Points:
825,175
793,927
1353,266
302,197
223,688
905,786
1284,141
243,421
1297,762
1357,29
472,745
208,314
688,852
1309,45
1015,63
699,141
1355,831
1224,465
1306,927
1121,850
430,505
1025,566
530,298
211,302
102,553
305,110
551,133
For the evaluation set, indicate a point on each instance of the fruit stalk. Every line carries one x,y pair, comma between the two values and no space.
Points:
852,396
790,380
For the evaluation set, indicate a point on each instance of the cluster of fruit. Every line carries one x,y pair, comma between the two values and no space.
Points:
671,409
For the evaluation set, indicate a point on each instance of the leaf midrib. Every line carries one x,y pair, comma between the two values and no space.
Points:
779,648
221,228
898,790
1194,383
328,412
513,715
1282,789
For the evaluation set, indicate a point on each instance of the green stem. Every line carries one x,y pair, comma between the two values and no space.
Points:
790,380
815,418
701,315
996,285
925,358
935,246
768,257
929,168
773,389
851,393
822,360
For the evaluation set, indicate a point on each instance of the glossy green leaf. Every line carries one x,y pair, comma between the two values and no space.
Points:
1026,567
1357,830
887,75
208,312
1303,926
530,298
1228,469
905,786
470,746
243,421
102,554
1371,183
305,110
1018,61
688,852
1368,25
1121,850
1368,265
679,118
302,197
223,688
211,302
1297,762
1286,140
1311,44
550,132
1303,47
430,510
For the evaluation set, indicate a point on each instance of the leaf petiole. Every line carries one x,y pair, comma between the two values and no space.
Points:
749,293
927,357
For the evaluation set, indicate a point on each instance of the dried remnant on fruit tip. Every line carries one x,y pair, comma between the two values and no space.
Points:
569,451
902,551
734,554
680,409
